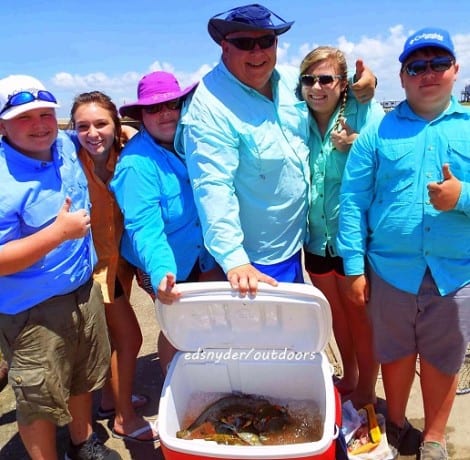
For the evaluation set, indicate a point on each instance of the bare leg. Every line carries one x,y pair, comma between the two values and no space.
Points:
361,332
166,351
126,340
329,286
438,397
398,377
80,408
39,439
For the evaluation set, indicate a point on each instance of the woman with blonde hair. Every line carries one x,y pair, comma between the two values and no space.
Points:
335,121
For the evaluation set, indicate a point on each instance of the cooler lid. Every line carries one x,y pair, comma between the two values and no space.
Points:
210,315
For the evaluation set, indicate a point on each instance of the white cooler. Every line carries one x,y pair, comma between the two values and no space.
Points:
270,345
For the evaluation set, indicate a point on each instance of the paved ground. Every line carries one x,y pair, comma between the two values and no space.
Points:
149,381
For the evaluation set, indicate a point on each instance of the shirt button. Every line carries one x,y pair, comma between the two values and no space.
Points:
427,229
18,380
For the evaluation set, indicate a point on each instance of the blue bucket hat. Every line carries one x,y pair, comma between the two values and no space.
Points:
427,37
248,17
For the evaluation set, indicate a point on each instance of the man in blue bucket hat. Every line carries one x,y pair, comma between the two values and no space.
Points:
244,136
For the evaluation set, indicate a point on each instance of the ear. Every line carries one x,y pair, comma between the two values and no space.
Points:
3,130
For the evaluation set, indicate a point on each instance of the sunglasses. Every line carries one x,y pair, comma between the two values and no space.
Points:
437,64
24,97
310,80
175,104
249,43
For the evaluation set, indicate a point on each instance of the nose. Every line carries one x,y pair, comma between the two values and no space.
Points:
92,131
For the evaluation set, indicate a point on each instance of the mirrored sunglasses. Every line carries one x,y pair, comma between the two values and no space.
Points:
175,104
310,80
249,43
24,97
437,64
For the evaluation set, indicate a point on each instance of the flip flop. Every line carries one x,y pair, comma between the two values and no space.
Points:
138,400
134,436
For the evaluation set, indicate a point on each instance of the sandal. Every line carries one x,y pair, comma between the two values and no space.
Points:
134,436
138,400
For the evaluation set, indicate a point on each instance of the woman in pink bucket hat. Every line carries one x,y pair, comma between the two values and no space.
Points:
162,235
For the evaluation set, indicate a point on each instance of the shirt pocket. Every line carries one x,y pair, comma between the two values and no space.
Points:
396,171
42,212
459,159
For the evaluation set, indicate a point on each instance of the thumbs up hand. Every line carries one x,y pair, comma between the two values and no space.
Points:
343,139
364,88
445,194
71,225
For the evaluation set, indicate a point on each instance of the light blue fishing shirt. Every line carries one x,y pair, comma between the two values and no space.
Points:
162,232
385,210
248,162
326,169
32,192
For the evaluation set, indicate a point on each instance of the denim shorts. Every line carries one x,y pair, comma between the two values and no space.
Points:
434,326
55,349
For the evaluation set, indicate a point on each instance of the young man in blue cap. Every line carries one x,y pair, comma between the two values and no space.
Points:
404,226
52,325
244,136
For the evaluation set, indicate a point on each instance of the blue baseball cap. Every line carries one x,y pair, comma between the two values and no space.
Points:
248,17
427,37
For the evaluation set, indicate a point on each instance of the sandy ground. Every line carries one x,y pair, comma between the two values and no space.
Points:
149,381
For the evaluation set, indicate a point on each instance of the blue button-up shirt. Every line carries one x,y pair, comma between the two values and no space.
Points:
32,193
162,232
248,161
385,210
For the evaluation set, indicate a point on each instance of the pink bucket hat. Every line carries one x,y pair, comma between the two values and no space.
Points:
154,88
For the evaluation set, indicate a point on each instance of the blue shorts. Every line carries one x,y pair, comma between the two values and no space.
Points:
288,271
434,326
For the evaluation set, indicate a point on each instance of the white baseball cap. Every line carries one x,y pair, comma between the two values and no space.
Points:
33,96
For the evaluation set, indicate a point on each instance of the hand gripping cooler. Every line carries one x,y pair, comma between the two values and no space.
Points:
270,345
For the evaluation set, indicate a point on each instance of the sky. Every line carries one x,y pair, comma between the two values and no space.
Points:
83,45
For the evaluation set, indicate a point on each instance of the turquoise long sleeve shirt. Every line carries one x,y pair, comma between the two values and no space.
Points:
326,169
161,228
248,161
385,212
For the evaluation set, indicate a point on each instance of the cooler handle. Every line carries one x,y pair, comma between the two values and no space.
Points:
336,434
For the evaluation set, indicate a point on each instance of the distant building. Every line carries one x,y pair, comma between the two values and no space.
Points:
389,105
465,94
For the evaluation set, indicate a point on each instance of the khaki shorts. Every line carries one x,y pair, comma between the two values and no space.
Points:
56,349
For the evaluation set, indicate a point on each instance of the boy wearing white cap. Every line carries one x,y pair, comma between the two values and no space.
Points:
404,226
52,325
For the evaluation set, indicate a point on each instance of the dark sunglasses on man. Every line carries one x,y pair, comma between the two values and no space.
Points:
420,66
249,43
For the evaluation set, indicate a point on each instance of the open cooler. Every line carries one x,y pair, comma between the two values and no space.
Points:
270,345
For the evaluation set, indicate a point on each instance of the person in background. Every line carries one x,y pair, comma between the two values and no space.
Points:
95,119
162,235
244,134
52,322
404,226
335,121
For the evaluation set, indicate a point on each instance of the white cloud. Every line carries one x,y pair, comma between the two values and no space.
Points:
380,53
